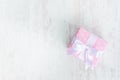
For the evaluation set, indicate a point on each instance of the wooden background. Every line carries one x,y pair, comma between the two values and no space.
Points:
34,35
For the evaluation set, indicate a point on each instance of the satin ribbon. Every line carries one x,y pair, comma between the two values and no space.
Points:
85,52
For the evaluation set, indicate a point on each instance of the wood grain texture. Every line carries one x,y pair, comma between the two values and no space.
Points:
34,35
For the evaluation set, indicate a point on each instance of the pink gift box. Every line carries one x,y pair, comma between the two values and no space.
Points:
87,47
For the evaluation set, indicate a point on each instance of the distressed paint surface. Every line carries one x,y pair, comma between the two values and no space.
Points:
34,35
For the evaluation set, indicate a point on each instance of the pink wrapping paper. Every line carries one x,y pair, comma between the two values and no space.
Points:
87,47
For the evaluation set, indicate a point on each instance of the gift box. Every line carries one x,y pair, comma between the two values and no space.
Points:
87,47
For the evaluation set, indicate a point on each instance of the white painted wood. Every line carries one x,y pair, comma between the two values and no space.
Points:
34,35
